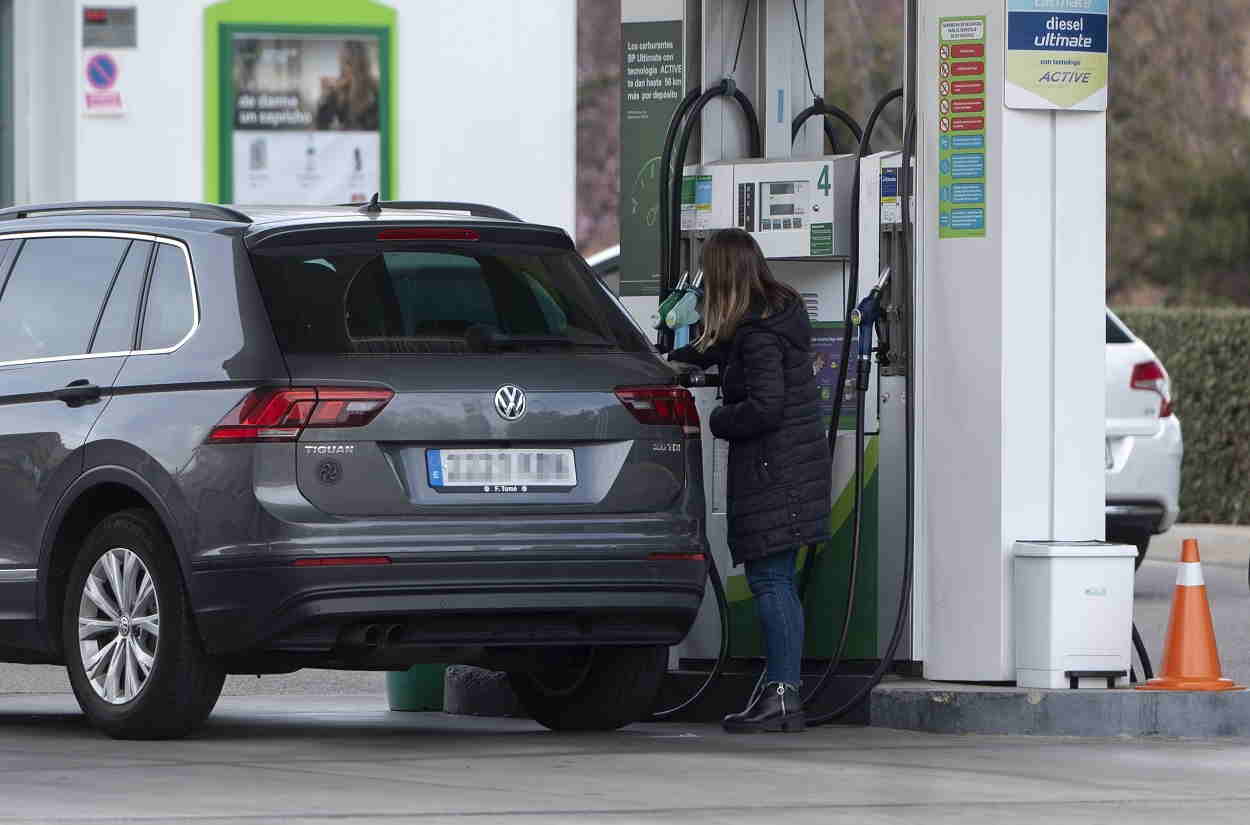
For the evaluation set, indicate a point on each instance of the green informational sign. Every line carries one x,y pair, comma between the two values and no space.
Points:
821,239
962,124
300,101
1057,56
652,85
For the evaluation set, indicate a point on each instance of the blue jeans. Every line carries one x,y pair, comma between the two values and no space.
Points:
781,614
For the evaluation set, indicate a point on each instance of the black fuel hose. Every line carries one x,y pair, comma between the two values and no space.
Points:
665,177
1148,672
904,602
722,606
726,88
852,295
826,111
844,362
670,263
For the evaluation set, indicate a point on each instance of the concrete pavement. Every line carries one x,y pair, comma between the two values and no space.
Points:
1222,544
325,748
308,759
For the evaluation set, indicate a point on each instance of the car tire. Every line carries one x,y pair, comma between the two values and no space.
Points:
155,681
1136,536
593,689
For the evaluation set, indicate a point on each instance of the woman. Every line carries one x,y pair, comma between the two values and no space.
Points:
756,330
349,101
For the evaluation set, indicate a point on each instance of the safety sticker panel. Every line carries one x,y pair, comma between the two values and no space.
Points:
962,128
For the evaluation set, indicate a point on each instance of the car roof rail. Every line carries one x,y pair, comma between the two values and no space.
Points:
477,210
179,209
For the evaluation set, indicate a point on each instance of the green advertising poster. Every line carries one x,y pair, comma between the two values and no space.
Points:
652,85
300,101
1057,55
962,128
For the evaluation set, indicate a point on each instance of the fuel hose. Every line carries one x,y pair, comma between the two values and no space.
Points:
672,160
844,362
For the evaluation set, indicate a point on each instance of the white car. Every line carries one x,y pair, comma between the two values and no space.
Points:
1143,451
1144,445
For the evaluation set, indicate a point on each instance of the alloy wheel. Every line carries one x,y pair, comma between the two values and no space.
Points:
118,625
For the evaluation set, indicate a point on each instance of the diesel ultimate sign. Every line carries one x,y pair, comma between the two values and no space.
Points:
1057,54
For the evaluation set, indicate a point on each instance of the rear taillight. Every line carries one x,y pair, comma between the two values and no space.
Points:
281,415
1149,376
667,406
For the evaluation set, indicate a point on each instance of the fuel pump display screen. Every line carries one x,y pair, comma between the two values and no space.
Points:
783,205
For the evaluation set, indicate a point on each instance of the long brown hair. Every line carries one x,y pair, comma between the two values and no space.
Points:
736,279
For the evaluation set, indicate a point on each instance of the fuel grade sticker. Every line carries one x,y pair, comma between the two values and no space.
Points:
1057,55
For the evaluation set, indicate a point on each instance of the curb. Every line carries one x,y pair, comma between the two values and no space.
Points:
956,709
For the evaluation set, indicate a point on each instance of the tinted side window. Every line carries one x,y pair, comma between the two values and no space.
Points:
170,311
117,325
54,294
1115,335
4,250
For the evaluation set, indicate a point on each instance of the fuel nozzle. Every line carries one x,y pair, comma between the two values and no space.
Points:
865,317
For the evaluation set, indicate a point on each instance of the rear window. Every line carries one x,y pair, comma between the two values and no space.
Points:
1115,334
358,299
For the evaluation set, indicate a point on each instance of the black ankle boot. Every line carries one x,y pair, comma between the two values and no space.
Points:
777,709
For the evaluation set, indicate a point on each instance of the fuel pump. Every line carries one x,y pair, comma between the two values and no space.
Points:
801,207
980,238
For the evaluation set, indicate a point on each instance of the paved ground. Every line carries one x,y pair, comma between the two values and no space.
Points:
308,759
48,679
320,746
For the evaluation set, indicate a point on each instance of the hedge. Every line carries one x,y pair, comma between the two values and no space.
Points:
1207,354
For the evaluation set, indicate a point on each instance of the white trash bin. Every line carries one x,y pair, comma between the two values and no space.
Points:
1073,613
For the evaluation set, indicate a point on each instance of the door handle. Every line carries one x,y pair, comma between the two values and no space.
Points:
77,393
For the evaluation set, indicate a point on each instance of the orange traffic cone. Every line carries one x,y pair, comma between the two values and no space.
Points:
1190,658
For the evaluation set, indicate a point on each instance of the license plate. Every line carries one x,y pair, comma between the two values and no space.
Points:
1110,457
500,471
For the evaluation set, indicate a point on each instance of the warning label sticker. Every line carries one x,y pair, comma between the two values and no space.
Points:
962,145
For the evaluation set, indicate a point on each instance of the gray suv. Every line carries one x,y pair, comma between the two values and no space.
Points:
344,437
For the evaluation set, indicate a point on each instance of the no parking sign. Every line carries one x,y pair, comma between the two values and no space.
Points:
101,77
109,35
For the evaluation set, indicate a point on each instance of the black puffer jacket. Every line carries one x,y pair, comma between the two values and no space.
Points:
779,477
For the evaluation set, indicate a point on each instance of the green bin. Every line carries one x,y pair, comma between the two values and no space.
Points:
419,688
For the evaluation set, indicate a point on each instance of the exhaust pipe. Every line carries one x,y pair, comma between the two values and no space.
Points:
361,635
394,634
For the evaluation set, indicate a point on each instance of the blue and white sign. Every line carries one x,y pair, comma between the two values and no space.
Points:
1057,54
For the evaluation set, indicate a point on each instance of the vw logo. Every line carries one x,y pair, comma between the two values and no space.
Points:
329,471
510,402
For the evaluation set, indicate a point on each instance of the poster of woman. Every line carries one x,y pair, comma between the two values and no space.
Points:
306,119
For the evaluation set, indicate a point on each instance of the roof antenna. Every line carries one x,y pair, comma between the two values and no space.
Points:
372,207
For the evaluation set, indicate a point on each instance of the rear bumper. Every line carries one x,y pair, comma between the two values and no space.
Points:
1145,516
486,598
1143,485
